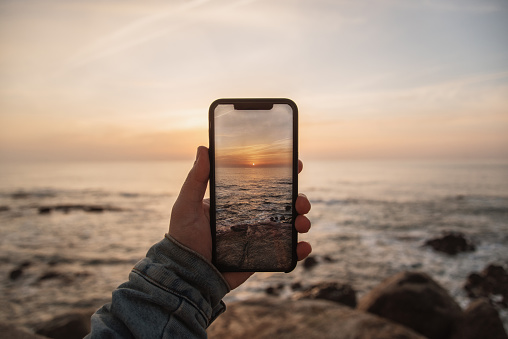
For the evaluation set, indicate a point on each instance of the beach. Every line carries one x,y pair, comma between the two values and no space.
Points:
71,232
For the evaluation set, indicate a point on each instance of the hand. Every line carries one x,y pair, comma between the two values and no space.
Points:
190,217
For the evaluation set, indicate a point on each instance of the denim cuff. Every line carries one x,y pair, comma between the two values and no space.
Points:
181,271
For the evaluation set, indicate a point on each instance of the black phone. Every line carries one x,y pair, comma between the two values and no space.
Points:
253,184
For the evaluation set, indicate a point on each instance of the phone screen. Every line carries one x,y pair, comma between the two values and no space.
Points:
253,146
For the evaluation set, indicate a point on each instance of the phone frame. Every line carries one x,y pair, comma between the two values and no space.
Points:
252,104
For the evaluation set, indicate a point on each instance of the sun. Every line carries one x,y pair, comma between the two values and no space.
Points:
253,164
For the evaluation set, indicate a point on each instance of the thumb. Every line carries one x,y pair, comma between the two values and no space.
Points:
194,187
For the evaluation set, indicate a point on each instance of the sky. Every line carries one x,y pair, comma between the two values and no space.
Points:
133,80
253,138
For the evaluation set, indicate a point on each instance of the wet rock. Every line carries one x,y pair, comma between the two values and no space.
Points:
274,290
416,301
284,319
65,208
288,208
18,271
9,331
20,195
310,262
480,320
68,326
327,258
4,208
451,243
50,275
63,277
296,286
491,283
44,210
94,209
15,273
332,291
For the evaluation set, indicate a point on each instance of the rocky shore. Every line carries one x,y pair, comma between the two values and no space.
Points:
408,305
245,246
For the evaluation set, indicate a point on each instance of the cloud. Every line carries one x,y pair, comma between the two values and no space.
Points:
135,33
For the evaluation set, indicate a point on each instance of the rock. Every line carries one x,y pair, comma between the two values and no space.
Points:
296,286
310,262
416,301
55,275
86,208
274,290
44,210
20,195
451,243
18,271
68,326
332,291
240,228
262,245
4,208
94,209
15,273
12,332
491,283
284,319
480,320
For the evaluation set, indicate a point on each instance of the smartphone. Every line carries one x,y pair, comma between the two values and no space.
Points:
253,184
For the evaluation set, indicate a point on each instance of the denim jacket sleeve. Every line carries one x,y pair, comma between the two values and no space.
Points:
172,293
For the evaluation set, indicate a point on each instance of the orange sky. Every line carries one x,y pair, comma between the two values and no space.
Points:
110,80
253,138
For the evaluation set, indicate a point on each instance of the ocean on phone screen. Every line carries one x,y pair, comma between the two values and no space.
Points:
71,232
253,195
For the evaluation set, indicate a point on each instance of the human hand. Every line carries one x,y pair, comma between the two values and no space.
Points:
190,217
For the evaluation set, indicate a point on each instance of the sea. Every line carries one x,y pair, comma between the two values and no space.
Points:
253,195
370,220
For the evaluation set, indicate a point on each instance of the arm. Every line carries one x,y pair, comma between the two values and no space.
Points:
172,293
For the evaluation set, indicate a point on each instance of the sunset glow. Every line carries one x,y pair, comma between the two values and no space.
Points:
115,80
244,136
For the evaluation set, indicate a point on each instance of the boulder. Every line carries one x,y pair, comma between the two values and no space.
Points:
480,320
336,292
67,326
491,283
281,319
451,243
416,301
